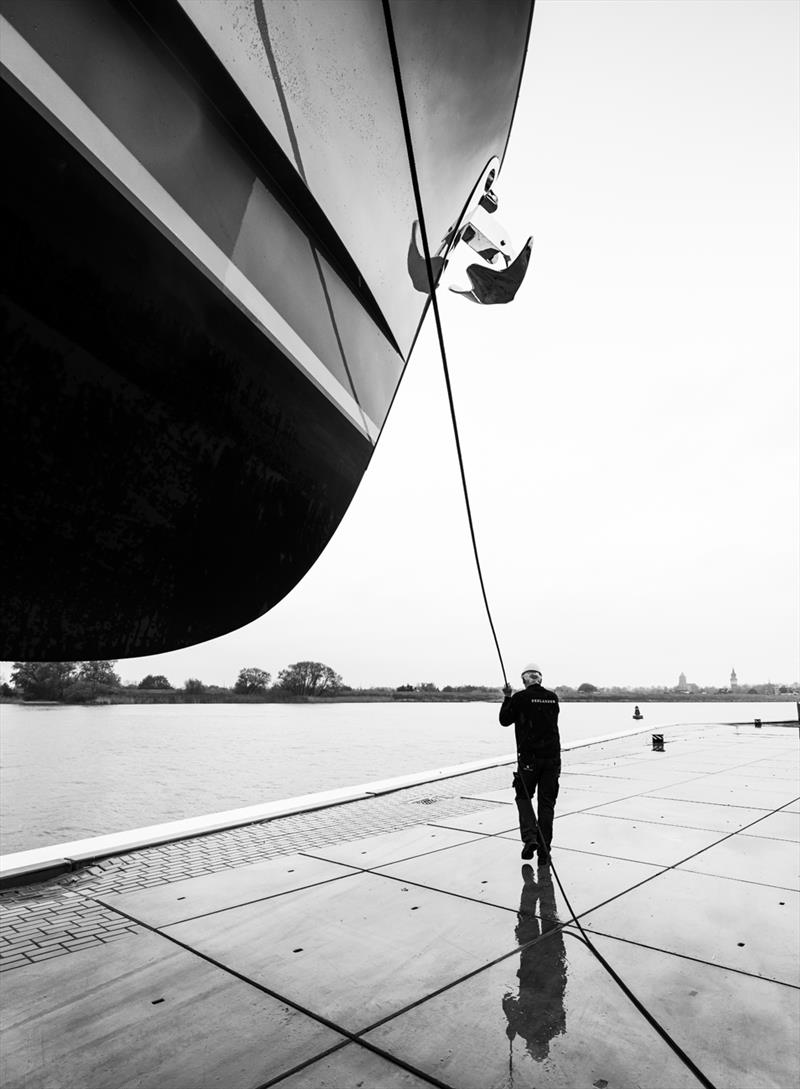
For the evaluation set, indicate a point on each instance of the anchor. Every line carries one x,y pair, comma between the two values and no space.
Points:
497,276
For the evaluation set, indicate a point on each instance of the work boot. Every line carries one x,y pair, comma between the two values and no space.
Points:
529,850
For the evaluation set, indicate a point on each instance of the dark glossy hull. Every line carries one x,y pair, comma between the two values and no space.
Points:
205,315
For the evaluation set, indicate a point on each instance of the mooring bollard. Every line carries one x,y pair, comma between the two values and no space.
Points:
658,742
757,723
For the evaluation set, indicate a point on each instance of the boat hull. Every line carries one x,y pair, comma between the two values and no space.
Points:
176,467
205,302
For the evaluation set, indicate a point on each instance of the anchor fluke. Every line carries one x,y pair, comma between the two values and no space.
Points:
491,286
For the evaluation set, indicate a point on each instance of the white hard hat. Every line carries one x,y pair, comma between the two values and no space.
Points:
532,667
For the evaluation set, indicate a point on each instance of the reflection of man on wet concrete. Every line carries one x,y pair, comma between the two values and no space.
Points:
534,713
537,1013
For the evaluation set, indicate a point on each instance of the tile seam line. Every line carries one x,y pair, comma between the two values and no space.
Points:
691,778
689,827
653,1021
515,911
669,824
350,1037
616,979
743,881
456,982
730,835
722,805
339,1047
587,808
694,960
475,836
667,867
233,907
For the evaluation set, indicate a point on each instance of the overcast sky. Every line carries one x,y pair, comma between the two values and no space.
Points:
629,423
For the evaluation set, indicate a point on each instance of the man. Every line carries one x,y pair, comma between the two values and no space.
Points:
534,713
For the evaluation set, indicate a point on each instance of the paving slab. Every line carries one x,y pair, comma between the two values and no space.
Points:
500,818
740,1031
637,841
710,760
571,800
685,814
490,870
549,1017
710,789
506,796
589,765
736,924
179,900
783,768
372,851
781,825
641,772
614,781
354,1067
750,858
737,780
355,950
145,1013
763,771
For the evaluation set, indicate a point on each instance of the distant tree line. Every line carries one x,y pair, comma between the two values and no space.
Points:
98,681
70,682
86,682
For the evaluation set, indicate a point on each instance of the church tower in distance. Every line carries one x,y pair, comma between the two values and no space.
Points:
734,681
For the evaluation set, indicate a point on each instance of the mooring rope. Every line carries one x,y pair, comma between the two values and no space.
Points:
676,1048
434,302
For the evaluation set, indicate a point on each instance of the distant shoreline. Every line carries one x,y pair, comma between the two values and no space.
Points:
132,698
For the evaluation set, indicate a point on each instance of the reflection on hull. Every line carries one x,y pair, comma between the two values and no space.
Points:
207,305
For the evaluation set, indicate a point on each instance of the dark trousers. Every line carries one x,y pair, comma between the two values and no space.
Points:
540,778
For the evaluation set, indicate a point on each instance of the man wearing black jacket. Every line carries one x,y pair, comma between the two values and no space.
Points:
534,713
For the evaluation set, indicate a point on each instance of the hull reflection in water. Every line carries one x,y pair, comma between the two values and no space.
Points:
208,299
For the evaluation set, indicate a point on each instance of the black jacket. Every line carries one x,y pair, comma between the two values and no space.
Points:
534,713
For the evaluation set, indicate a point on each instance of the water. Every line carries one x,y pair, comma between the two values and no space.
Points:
71,772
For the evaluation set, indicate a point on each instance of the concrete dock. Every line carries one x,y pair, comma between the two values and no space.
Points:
399,940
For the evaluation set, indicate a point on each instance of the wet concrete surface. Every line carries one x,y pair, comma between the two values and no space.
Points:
637,841
357,1067
180,900
729,792
500,818
380,850
488,871
146,1013
741,1031
434,955
681,813
784,825
353,951
545,1017
750,858
740,925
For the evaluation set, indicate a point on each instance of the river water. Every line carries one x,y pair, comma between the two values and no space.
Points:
71,772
